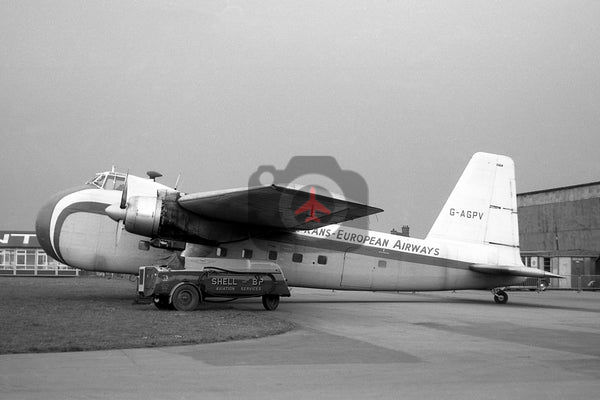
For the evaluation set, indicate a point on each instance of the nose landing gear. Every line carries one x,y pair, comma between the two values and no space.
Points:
500,296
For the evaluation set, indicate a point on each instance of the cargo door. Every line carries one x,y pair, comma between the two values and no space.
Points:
358,271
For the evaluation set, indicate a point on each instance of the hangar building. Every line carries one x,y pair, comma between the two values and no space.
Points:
559,231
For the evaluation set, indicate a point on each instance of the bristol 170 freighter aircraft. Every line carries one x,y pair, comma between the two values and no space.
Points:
119,222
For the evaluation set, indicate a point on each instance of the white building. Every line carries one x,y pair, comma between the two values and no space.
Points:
21,255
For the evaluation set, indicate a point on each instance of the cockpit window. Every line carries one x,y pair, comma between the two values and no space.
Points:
109,181
115,182
98,181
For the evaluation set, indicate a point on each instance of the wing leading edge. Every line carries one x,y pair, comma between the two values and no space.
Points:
274,207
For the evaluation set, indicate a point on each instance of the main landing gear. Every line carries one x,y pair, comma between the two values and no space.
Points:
500,296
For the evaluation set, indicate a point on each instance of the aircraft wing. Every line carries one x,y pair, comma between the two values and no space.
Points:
513,271
320,207
303,208
271,206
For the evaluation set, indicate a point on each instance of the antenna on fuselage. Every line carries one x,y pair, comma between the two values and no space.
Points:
153,175
178,181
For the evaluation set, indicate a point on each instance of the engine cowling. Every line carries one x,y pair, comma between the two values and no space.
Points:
162,217
142,215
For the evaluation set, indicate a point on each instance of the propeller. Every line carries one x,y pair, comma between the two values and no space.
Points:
123,204
118,212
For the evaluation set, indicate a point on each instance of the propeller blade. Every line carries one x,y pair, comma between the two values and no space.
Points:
118,232
123,204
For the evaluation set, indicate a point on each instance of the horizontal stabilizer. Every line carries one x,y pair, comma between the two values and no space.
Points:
512,271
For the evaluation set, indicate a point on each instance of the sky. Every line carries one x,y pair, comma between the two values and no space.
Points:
400,92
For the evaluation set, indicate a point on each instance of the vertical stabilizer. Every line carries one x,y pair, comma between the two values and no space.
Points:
482,208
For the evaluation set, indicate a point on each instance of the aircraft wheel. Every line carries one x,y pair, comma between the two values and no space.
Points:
270,301
162,302
500,297
186,298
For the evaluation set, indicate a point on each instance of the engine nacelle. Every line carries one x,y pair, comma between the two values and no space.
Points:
162,217
143,215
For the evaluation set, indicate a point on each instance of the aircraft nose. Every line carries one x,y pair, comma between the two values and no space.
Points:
45,224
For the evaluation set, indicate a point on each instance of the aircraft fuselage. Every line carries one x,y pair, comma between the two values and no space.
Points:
368,260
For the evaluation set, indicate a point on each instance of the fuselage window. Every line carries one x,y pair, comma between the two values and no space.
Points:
297,257
322,260
382,263
221,252
246,253
272,255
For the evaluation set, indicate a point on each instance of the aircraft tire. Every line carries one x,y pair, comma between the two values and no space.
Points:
500,297
270,301
186,298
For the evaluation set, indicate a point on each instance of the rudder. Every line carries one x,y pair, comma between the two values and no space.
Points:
482,208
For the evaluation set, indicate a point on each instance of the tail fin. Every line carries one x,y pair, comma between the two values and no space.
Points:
483,205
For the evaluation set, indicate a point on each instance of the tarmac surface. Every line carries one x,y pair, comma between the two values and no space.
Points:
352,345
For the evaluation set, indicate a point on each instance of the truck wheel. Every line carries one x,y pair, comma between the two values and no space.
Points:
500,297
162,302
186,298
270,301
